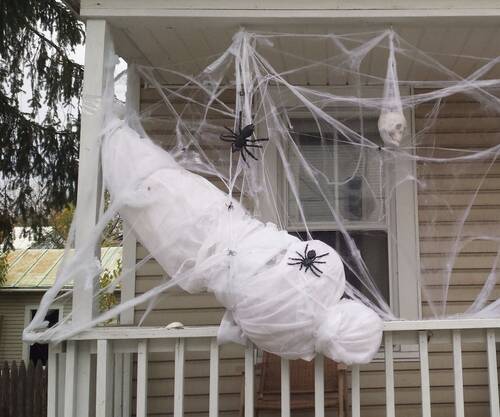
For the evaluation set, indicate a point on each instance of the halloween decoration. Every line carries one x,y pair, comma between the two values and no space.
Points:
240,141
392,123
256,283
340,171
308,260
392,127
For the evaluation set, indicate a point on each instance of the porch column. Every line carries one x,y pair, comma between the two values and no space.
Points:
78,368
123,398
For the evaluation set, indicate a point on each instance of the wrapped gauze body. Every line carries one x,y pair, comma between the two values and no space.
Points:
192,228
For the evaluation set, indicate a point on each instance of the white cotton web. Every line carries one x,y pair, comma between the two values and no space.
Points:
305,192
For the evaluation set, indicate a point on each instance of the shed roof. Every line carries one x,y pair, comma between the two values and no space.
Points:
36,268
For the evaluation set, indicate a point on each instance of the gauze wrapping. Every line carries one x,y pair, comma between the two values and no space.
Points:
192,227
278,308
350,333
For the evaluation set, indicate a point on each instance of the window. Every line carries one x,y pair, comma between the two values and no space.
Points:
351,175
354,182
39,351
359,185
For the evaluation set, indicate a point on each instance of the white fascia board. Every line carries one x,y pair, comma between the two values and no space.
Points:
290,8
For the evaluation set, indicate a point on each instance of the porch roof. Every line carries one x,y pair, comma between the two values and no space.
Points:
187,35
35,269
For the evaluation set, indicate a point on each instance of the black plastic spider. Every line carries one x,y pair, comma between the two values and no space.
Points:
308,260
241,142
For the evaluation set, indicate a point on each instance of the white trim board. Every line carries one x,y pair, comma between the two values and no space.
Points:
290,8
126,332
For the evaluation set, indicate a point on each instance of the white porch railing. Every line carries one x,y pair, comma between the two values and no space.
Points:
114,347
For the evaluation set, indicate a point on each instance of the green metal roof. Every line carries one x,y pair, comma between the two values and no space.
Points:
36,268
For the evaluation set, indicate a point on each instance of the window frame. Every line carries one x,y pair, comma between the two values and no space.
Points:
401,206
27,320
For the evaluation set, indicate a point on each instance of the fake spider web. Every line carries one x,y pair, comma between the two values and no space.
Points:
349,166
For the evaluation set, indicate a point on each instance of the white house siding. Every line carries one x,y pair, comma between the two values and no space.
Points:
454,127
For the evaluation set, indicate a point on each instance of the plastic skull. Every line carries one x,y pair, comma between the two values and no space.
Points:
392,127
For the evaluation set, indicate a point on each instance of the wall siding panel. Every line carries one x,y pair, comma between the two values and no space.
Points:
446,200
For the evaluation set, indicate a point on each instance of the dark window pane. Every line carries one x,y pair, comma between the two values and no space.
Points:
373,248
40,351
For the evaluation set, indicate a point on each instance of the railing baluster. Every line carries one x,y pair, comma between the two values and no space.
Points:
424,373
389,375
285,388
70,379
249,380
118,385
457,373
52,383
492,372
179,378
127,385
213,408
319,386
61,382
355,392
104,379
142,378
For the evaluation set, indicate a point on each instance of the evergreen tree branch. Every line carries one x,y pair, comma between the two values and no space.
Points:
62,53
38,160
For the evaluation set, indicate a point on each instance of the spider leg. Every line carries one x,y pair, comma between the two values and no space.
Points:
316,268
305,250
259,140
301,265
226,139
253,146
312,270
319,262
239,125
320,256
295,263
229,130
243,155
296,259
251,154
300,255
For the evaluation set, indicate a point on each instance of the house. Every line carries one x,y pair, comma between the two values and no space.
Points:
438,367
31,272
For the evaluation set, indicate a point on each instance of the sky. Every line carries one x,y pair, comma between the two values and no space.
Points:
78,56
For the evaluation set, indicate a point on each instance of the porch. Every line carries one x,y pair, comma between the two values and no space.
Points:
120,377
109,371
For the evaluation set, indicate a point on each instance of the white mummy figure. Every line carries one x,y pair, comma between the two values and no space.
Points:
281,293
392,127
